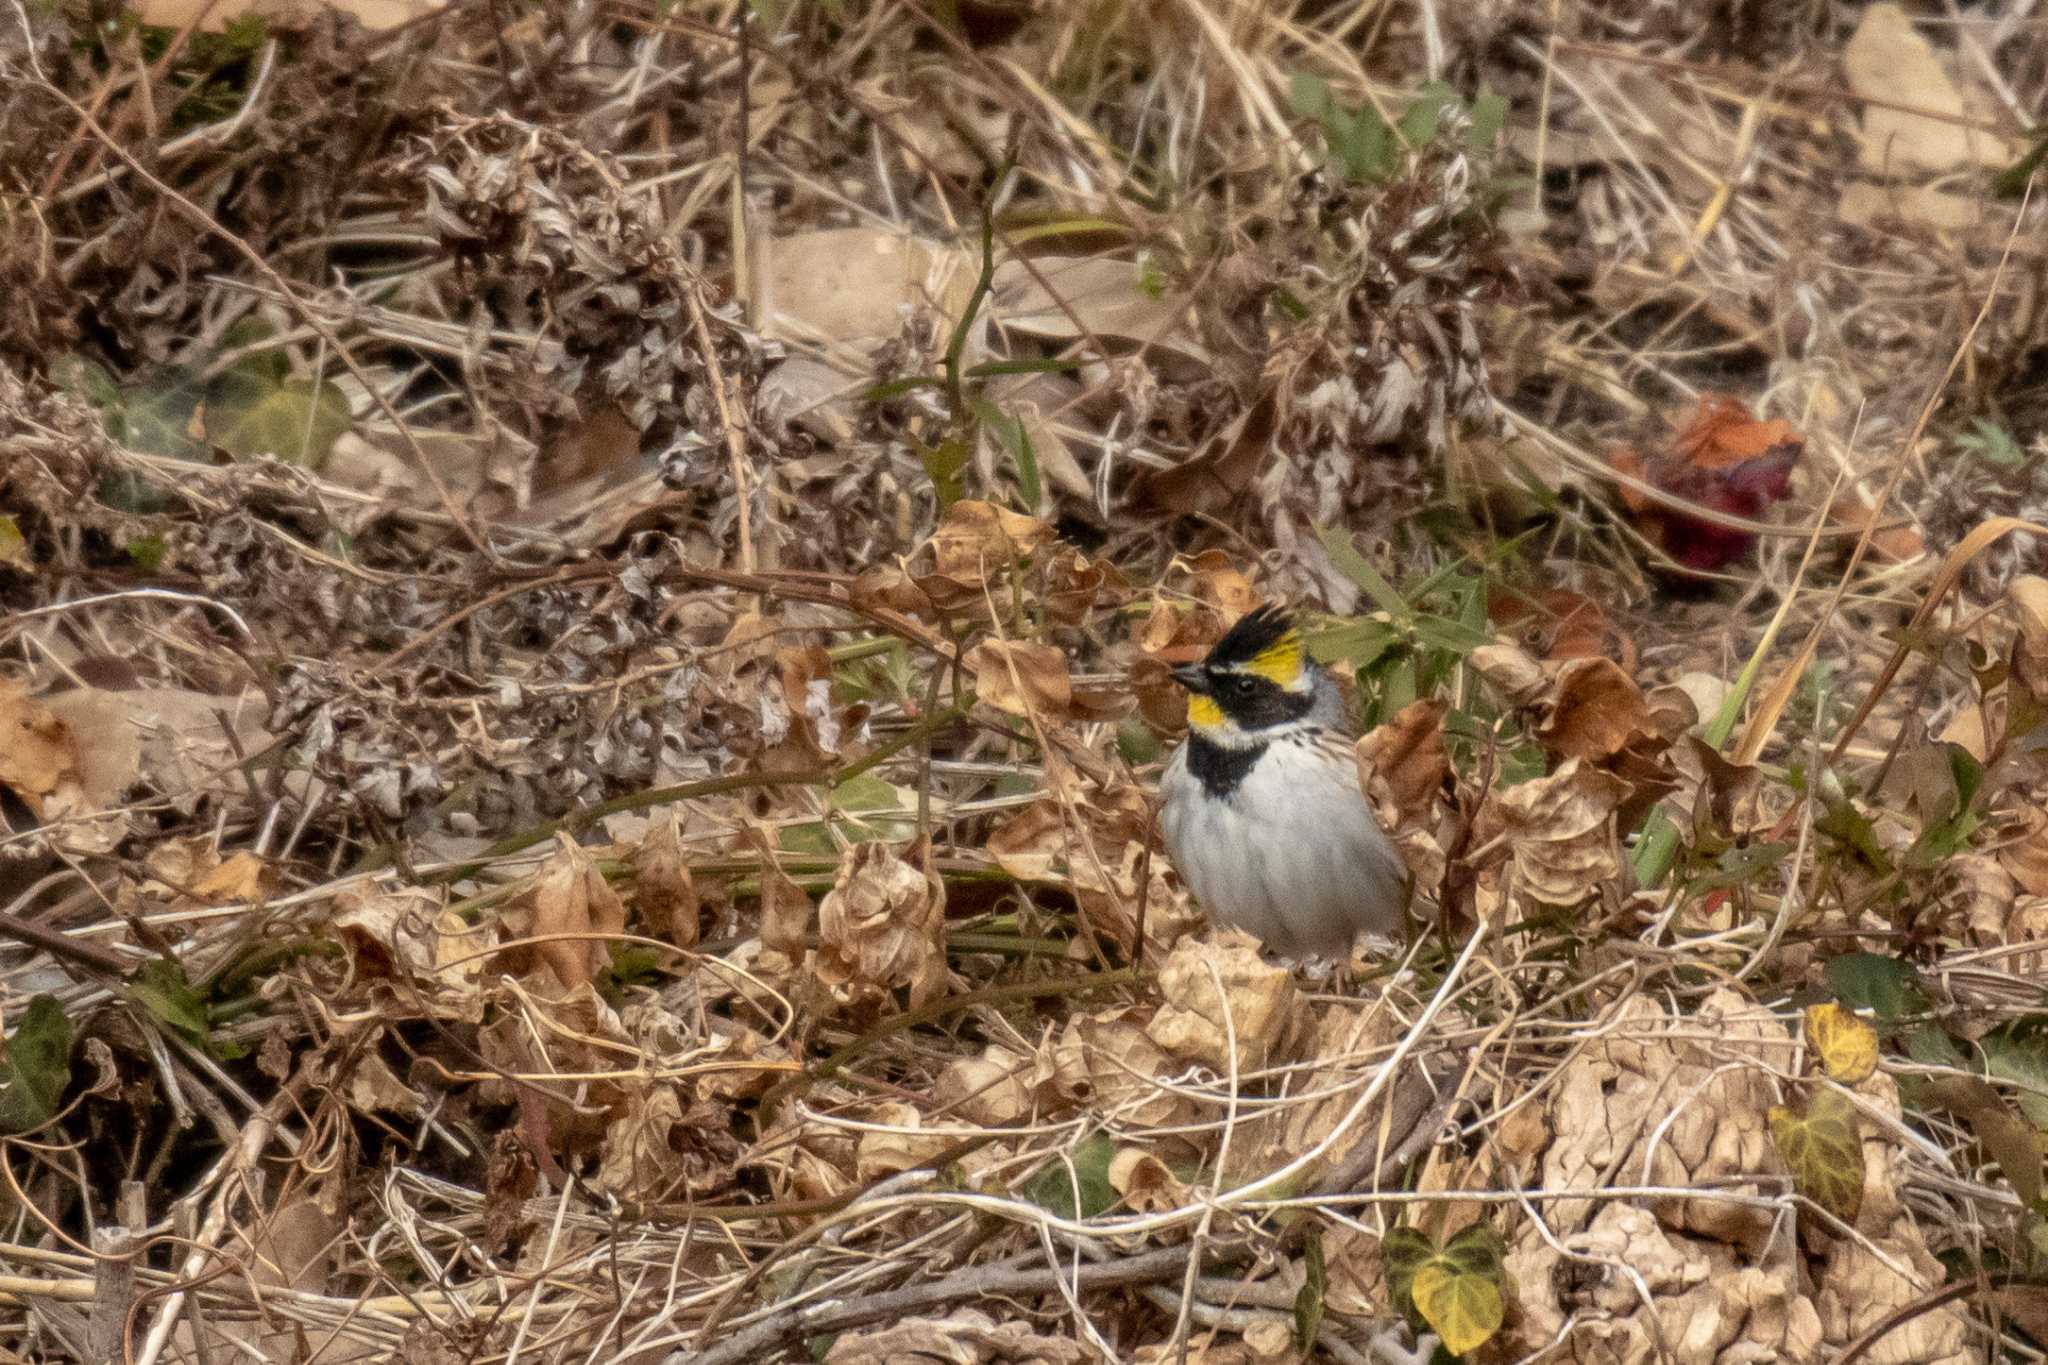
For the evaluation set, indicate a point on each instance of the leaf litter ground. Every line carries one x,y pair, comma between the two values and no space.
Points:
590,614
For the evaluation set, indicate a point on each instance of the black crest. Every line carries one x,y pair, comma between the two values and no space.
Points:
1255,632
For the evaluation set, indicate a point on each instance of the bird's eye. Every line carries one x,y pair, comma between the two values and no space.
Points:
1242,686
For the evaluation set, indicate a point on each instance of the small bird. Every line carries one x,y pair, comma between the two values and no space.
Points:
1262,811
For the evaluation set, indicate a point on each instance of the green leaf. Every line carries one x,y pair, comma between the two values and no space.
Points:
2011,182
864,807
1366,145
37,1066
1425,114
1308,95
1853,829
1016,443
13,546
897,387
2018,1052
1930,1045
1489,116
1885,986
297,421
1404,1251
1344,554
161,988
147,552
1078,1187
942,465
1823,1148
1137,743
1309,1299
1992,444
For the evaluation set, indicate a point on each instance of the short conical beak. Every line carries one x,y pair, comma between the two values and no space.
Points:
1193,678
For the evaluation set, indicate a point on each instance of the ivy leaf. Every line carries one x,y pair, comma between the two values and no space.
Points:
1823,1148
37,1066
1404,1251
297,420
1459,1293
1885,986
1846,1044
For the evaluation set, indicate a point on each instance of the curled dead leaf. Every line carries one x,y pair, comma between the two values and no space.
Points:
1561,831
993,1088
662,886
1406,758
1554,624
1220,990
1509,670
574,910
975,538
2028,595
1593,710
881,926
785,908
1025,678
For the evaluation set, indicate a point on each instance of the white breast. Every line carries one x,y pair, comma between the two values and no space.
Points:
1293,855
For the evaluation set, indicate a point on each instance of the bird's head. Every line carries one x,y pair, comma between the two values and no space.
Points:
1257,678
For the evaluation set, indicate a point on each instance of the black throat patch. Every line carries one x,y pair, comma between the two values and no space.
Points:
1219,767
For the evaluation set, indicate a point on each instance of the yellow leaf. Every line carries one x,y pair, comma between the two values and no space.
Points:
1823,1148
1847,1045
1463,1309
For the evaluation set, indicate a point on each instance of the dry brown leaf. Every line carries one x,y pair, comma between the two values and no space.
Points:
242,877
1593,711
410,932
2028,595
374,1087
1510,671
1220,583
785,908
1554,624
1561,831
170,738
881,926
662,886
896,1143
570,897
849,286
976,537
994,1088
1074,298
1406,758
39,761
1205,982
1108,1063
2024,854
1147,1184
1888,61
1022,678
1899,542
1076,585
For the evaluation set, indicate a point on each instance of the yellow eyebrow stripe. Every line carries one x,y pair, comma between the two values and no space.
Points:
1280,661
